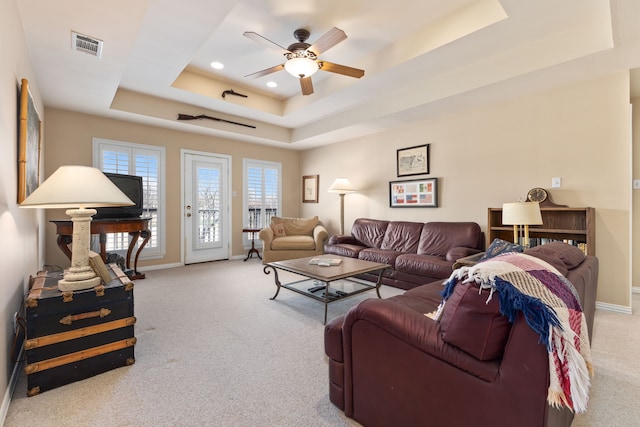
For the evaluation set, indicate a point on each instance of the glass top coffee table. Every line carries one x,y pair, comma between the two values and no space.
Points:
327,284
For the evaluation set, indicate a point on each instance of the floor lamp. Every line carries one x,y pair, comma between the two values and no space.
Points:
341,186
77,188
521,215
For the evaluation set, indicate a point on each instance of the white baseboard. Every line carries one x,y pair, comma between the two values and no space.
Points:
613,307
6,401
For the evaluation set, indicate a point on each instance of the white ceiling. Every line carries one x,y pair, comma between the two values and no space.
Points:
422,58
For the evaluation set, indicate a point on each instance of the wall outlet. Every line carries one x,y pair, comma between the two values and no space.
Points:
636,184
556,182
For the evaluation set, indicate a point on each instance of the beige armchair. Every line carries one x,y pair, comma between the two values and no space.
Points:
288,238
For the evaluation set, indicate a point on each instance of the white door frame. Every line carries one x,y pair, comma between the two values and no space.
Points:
227,231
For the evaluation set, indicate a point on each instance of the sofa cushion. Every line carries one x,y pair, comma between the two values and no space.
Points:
499,246
402,236
438,237
278,229
293,243
571,256
296,226
369,232
424,265
344,249
474,325
379,255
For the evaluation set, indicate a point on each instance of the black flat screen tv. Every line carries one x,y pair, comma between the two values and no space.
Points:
131,185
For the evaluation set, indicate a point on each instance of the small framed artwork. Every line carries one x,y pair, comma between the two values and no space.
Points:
416,193
28,144
413,160
310,188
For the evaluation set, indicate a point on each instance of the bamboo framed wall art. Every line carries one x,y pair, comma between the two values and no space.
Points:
28,144
416,193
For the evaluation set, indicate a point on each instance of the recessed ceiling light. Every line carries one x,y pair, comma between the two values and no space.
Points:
217,65
272,84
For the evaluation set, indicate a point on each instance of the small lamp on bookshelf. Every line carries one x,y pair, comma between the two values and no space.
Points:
521,215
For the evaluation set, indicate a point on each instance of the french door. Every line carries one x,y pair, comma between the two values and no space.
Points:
206,215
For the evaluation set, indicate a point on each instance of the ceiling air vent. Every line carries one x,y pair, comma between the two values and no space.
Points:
86,44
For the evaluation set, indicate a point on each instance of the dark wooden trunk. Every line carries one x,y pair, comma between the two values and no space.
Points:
76,335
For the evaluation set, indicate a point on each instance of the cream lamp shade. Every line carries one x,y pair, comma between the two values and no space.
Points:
77,188
341,186
521,214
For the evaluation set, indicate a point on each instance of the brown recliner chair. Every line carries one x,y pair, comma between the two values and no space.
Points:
389,364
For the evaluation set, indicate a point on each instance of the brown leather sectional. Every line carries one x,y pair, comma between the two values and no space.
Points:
418,252
389,364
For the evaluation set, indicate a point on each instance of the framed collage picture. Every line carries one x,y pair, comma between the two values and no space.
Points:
416,193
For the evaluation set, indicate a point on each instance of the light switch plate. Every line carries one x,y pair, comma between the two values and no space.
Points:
556,182
636,184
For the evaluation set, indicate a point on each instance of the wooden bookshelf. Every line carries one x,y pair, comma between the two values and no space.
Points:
576,226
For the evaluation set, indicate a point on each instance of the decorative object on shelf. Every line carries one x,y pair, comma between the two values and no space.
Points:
77,187
29,144
417,193
413,160
521,215
310,188
341,186
541,196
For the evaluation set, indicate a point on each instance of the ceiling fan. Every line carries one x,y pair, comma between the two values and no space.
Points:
302,58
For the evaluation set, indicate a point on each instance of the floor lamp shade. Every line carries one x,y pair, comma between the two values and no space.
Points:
77,188
521,214
341,186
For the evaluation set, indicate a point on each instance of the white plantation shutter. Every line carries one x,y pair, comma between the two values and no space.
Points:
141,160
262,193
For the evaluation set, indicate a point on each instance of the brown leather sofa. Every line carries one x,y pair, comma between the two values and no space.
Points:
389,364
418,252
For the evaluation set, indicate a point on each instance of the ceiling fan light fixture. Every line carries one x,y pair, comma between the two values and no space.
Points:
301,67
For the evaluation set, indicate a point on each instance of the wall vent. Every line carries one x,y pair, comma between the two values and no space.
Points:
86,44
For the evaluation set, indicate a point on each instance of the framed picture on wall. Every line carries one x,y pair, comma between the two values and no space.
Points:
413,160
28,144
416,193
310,188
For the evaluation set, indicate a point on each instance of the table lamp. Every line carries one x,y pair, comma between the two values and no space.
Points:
521,215
341,186
77,187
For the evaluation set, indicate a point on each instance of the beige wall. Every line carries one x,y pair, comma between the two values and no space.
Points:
484,158
69,141
636,193
22,243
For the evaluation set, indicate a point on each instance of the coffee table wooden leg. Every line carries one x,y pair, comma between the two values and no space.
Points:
275,276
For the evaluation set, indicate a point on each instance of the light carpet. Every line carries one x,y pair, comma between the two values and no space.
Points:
213,350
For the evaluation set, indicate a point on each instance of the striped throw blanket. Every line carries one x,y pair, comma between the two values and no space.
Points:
551,307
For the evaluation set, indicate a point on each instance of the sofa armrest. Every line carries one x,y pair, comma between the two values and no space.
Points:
414,329
458,252
337,239
266,235
320,234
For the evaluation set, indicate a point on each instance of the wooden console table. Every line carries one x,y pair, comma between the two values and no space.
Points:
136,227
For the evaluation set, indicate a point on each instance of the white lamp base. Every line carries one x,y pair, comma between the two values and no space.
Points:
80,276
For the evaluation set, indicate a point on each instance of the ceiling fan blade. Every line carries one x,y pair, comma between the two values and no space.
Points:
341,69
265,42
306,85
265,72
327,41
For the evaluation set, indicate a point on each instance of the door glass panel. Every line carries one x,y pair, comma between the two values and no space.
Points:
208,204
